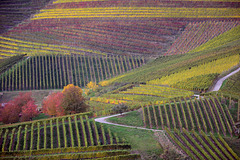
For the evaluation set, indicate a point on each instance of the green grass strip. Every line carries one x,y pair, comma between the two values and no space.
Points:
71,130
11,139
201,114
77,131
84,131
89,130
64,133
184,114
96,132
18,138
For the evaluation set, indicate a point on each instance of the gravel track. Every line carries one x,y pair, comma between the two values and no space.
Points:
219,83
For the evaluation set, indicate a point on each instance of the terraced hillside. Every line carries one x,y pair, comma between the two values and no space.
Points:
232,84
120,27
14,12
206,114
198,33
134,97
72,136
202,146
151,56
49,71
220,47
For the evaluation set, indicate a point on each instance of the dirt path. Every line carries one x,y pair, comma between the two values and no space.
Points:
160,134
103,120
219,83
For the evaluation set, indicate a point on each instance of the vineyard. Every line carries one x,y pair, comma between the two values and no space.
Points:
93,37
11,47
206,114
156,60
94,27
202,146
223,46
63,137
198,33
138,12
55,71
133,97
14,12
199,77
232,85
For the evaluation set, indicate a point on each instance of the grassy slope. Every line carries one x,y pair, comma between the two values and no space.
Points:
133,118
142,141
232,85
225,44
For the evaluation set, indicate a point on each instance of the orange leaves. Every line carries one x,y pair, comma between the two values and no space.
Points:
73,101
53,105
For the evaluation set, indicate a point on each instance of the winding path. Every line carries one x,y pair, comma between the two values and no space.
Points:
103,120
219,83
163,139
216,87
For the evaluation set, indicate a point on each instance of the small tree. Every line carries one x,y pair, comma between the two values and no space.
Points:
29,111
13,109
120,108
52,105
22,99
10,113
73,101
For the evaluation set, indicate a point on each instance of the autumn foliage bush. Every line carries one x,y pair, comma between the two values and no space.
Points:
22,108
69,101
29,111
73,101
52,105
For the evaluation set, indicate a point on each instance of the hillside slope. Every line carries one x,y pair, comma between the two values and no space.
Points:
14,12
224,45
126,27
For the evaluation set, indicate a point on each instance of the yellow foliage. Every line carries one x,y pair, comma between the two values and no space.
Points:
217,66
92,85
138,12
71,86
106,100
87,91
103,83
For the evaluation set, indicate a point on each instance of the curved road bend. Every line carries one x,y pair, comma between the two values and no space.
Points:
103,120
216,87
219,83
